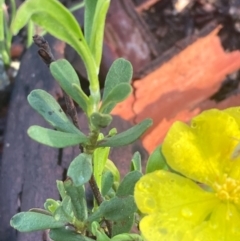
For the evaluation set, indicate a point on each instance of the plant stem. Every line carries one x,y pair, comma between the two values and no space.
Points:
99,199
30,33
71,109
47,57
95,190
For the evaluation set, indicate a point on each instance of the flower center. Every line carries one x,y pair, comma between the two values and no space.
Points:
228,190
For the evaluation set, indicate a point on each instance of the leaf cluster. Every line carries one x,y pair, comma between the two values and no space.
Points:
114,212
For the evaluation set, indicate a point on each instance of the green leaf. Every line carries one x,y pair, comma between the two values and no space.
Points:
120,72
123,226
63,25
127,136
110,166
39,210
2,20
51,205
61,216
90,6
115,209
56,139
128,183
127,237
80,169
156,161
49,7
51,111
136,163
66,76
78,199
100,157
64,212
67,206
112,132
61,189
83,100
107,182
100,120
98,232
97,33
63,234
32,221
116,95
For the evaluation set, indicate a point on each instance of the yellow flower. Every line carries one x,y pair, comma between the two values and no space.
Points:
202,204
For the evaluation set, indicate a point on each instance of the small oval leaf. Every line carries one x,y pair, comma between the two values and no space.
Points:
61,189
110,166
107,182
63,234
64,212
100,120
125,236
51,111
80,169
119,72
127,185
32,221
82,99
63,71
115,209
116,95
51,205
122,227
156,161
39,210
127,136
78,199
136,163
100,156
56,139
99,232
66,76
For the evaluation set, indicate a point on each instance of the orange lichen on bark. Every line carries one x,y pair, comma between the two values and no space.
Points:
178,88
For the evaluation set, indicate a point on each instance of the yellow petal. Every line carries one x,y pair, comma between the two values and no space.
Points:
165,192
234,112
223,224
172,226
235,166
203,150
160,227
181,211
